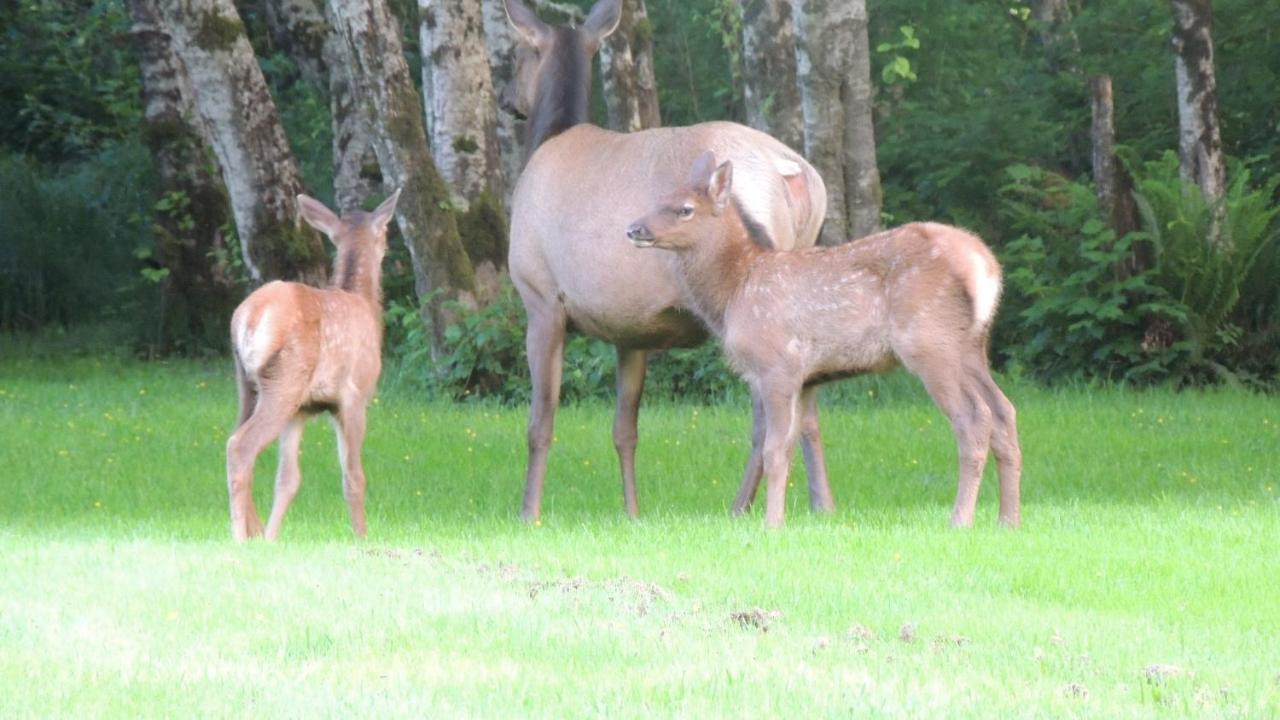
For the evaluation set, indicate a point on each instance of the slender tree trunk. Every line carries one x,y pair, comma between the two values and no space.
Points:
626,63
199,292
1114,187
461,109
1199,139
1052,23
834,69
500,43
356,175
771,91
257,165
373,51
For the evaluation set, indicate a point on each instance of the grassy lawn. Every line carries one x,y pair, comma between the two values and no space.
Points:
1144,583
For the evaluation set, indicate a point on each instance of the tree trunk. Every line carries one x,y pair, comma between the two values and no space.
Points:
834,69
257,165
1114,187
1199,140
626,64
298,28
771,92
199,293
373,52
1052,18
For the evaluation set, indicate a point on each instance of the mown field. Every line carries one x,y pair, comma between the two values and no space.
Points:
1144,583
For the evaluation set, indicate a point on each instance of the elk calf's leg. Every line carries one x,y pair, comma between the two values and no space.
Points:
815,461
755,462
1004,444
288,474
349,423
781,416
631,371
544,345
243,448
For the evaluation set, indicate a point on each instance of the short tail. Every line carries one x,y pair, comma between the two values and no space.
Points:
984,284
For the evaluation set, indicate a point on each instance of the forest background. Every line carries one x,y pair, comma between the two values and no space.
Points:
986,114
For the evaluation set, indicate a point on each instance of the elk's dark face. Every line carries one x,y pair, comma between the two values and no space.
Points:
691,212
545,52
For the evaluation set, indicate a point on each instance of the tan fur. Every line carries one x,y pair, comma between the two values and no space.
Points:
570,261
922,295
301,350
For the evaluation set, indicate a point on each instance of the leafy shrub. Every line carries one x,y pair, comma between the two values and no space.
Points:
1077,306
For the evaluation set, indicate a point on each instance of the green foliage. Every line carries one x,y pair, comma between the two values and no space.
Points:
67,239
68,77
1080,303
1071,308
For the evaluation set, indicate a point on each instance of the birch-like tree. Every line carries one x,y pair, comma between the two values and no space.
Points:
833,64
199,292
258,168
373,52
1199,139
626,66
770,89
461,108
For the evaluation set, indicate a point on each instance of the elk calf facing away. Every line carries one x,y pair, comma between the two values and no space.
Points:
922,295
301,350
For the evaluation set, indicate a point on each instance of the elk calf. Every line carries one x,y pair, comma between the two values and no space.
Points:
922,295
301,350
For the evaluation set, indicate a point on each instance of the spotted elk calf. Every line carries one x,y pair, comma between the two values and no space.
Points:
301,350
922,295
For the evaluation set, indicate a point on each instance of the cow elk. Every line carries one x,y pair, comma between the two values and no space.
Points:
301,350
922,295
581,184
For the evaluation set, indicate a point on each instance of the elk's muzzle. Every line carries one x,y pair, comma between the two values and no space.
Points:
640,235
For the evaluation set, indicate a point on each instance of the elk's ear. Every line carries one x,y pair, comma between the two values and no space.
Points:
719,185
602,21
700,173
381,215
526,22
318,216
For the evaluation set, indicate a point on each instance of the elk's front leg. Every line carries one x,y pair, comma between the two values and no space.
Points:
631,371
781,418
544,345
755,462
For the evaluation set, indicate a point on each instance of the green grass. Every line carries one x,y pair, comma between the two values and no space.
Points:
1144,583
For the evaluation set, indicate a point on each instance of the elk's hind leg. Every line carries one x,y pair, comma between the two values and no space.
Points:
243,447
288,474
631,371
970,421
350,425
1004,444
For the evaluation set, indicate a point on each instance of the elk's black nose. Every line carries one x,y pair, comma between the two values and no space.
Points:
638,232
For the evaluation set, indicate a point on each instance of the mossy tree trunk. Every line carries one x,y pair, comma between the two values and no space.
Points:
373,52
258,168
298,28
833,63
626,65
199,290
771,92
1199,139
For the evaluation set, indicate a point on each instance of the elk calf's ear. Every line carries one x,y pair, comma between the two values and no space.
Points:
383,213
700,173
603,19
526,22
318,216
719,185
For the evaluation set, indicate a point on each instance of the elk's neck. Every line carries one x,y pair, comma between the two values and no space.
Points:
563,96
717,267
359,273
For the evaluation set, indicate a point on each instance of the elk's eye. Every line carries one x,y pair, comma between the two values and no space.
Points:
685,212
